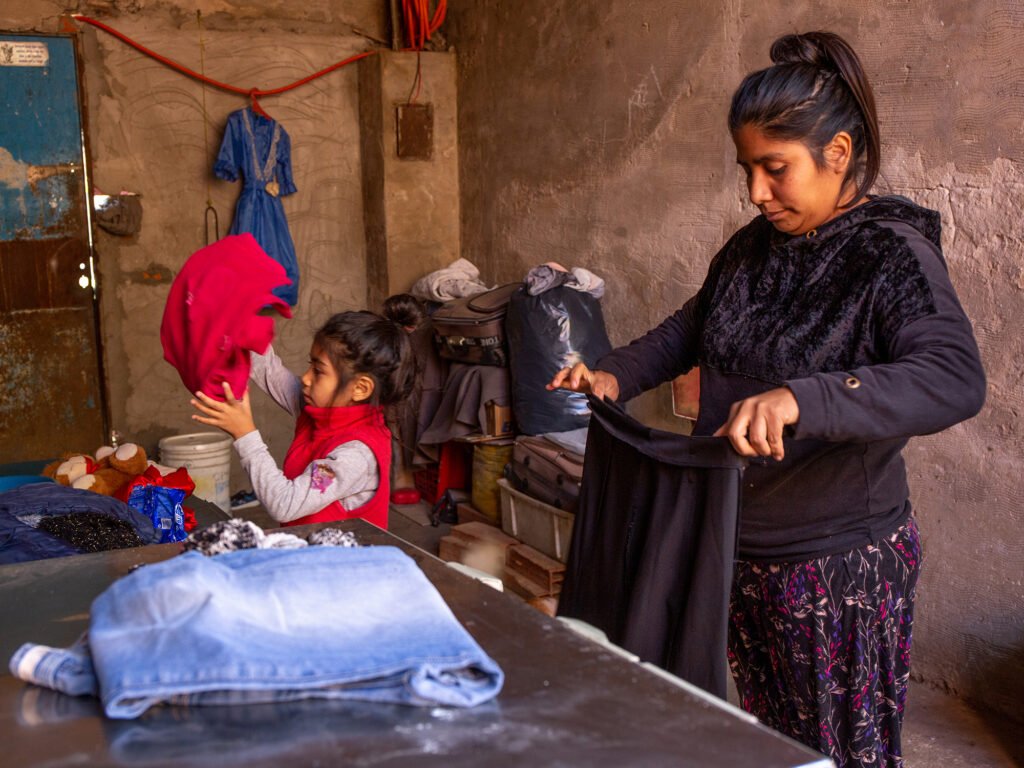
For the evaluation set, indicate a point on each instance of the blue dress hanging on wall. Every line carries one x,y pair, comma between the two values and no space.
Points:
259,149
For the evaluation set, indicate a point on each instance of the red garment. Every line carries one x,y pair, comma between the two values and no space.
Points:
179,478
211,319
320,431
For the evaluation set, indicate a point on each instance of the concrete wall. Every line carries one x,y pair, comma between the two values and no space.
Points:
410,204
594,134
149,135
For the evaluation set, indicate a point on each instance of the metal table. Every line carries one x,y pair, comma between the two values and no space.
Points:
206,512
567,700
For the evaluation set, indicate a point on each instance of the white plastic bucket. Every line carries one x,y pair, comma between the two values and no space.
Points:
207,457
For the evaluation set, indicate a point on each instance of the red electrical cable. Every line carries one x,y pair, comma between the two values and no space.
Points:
250,92
419,24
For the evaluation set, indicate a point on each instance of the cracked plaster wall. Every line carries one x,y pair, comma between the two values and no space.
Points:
594,134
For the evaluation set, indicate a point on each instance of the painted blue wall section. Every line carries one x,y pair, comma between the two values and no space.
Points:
39,126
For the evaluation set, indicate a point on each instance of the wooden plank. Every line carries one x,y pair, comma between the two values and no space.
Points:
451,549
483,555
483,532
468,514
536,566
523,586
547,605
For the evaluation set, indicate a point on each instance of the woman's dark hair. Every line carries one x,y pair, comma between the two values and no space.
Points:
815,88
366,343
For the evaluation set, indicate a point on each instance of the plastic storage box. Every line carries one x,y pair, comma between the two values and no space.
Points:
542,526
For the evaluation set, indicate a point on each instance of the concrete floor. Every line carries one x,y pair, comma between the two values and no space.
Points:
939,731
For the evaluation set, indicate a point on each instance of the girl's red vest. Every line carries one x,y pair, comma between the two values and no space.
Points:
321,430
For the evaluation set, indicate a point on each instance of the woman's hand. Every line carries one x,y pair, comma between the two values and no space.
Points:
579,378
233,416
755,425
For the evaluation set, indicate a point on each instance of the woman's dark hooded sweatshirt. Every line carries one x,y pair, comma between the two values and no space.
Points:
859,319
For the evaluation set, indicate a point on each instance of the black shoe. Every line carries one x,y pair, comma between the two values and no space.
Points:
444,511
244,500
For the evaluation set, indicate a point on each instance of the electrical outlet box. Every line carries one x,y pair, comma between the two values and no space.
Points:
414,131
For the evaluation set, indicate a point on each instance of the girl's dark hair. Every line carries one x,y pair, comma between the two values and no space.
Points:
366,343
815,88
404,309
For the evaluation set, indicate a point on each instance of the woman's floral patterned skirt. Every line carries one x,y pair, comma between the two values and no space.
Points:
820,650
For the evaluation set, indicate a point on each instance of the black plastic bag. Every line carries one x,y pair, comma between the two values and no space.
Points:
553,330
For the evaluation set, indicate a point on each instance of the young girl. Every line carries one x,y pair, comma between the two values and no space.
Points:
338,463
827,333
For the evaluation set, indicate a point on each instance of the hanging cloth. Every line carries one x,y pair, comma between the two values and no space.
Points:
651,558
214,315
258,149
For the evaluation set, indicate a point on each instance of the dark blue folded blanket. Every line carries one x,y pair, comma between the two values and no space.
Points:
23,508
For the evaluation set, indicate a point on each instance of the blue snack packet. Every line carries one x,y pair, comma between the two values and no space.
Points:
163,506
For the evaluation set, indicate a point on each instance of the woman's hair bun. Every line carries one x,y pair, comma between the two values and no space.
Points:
813,48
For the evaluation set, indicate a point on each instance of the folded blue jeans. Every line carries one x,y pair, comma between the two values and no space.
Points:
261,625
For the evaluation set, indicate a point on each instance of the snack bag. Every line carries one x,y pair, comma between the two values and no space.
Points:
159,497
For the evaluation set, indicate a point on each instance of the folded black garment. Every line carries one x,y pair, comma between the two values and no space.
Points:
653,543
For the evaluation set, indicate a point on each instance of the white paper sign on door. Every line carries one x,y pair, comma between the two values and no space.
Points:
19,54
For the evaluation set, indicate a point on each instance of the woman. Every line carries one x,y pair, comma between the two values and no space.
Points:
827,333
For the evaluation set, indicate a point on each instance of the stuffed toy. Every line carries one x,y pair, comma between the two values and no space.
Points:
106,473
114,470
69,467
126,474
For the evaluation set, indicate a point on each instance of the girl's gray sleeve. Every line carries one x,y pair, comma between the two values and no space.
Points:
269,373
349,474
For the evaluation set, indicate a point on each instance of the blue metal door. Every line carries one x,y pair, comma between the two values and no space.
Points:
50,387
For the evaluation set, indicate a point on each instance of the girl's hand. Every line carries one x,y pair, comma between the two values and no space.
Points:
579,378
233,416
755,425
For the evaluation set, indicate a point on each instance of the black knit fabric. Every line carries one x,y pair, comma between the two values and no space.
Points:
92,531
